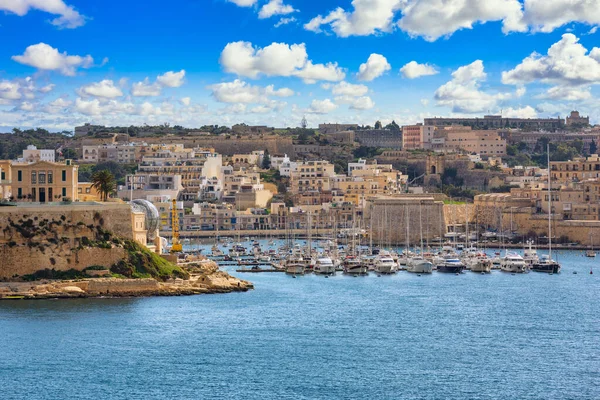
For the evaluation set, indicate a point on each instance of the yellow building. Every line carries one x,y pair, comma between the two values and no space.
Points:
44,181
86,192
576,170
311,176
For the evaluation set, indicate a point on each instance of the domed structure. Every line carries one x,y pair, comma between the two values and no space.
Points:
152,216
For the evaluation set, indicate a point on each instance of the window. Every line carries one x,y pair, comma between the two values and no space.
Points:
64,175
50,179
20,176
3,176
33,177
42,177
19,192
64,192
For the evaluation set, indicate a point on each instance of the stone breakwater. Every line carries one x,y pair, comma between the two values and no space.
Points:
205,278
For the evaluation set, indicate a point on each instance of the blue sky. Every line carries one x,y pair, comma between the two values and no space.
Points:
195,62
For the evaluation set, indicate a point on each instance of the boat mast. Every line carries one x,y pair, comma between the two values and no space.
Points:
407,229
549,207
421,224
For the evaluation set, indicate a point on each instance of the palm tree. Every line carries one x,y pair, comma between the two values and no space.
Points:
104,182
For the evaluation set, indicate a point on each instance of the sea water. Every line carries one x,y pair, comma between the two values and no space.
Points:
438,336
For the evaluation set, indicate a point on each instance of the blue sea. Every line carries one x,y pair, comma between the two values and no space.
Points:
468,336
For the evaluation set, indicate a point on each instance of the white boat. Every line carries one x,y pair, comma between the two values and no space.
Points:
513,262
353,266
295,268
324,266
590,253
480,263
418,264
385,264
530,255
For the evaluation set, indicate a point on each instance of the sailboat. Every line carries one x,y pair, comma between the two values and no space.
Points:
591,252
418,263
546,263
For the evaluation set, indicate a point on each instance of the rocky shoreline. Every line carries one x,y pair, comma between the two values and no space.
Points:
205,278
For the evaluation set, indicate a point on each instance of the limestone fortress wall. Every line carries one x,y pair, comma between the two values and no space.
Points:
60,237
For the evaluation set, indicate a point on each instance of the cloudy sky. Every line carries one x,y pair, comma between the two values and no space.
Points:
196,62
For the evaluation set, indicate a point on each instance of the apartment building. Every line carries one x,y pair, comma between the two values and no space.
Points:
417,136
579,169
486,143
311,176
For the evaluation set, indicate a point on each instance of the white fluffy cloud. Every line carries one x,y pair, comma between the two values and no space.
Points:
186,101
432,19
241,92
285,21
105,88
547,15
348,89
277,59
367,18
146,89
171,79
463,92
10,90
46,57
356,103
47,89
275,7
567,63
523,112
243,3
414,70
567,93
375,66
68,17
168,79
58,105
322,106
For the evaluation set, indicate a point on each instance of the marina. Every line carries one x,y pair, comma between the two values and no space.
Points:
489,330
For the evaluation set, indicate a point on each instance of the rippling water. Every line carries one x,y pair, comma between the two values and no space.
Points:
472,336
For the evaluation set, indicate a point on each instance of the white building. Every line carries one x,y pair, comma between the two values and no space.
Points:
32,154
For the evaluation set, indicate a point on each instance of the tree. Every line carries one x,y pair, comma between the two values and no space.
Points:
378,125
69,154
266,163
104,182
593,147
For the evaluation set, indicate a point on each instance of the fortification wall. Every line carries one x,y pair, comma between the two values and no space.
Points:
60,237
390,221
24,260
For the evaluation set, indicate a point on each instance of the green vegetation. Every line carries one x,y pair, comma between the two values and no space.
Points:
119,171
266,163
142,263
366,152
454,202
54,274
104,182
13,144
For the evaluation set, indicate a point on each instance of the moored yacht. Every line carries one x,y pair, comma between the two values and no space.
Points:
324,266
385,264
546,264
449,263
480,263
418,264
513,262
353,266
